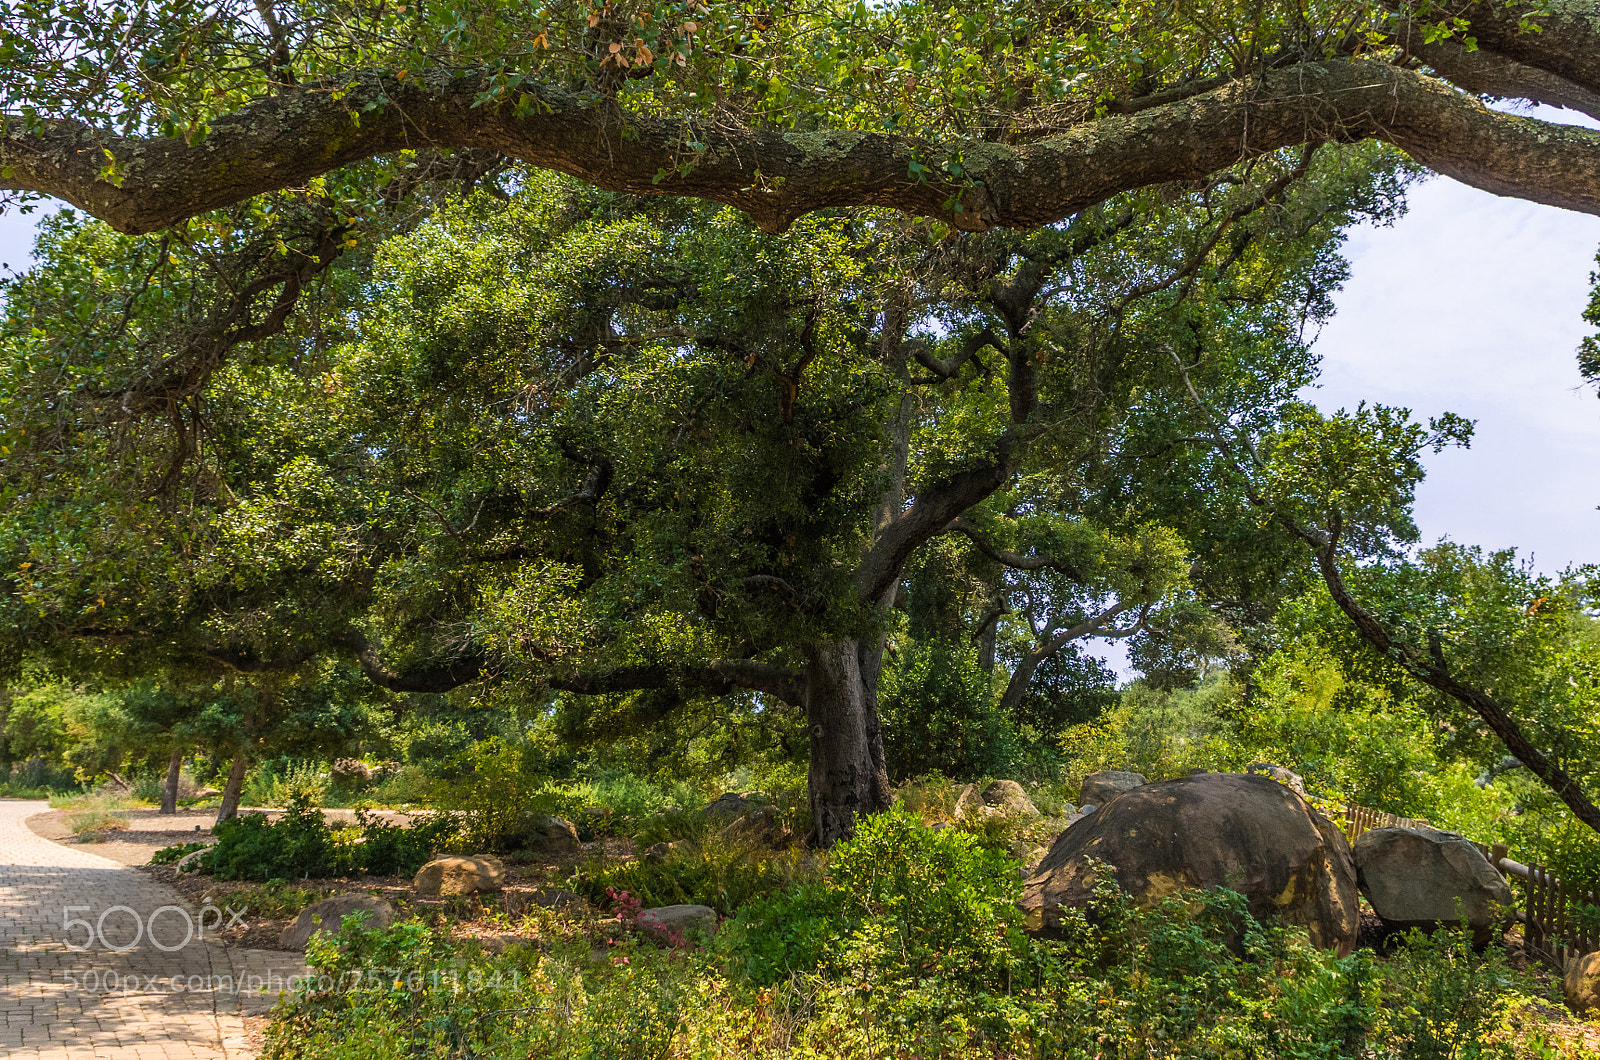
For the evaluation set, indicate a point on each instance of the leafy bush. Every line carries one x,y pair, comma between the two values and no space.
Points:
494,796
899,900
274,901
390,850
148,788
1450,999
283,781
940,714
300,844
404,786
720,871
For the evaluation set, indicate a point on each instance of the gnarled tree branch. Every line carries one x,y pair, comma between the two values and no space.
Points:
778,176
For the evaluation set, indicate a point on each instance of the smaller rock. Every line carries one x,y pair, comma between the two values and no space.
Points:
1287,777
1086,809
970,801
1581,983
500,942
1424,877
676,923
556,836
189,862
1009,797
1068,810
327,918
730,806
940,826
443,877
350,771
1100,788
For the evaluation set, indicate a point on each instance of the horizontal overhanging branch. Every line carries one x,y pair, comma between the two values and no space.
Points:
777,176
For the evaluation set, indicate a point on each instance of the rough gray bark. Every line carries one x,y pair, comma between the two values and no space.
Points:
301,133
230,791
846,780
169,793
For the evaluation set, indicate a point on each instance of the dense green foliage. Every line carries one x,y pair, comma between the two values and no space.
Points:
878,953
300,844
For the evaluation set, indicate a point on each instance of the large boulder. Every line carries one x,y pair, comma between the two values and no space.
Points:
1009,798
1424,877
444,877
1100,788
1581,983
1246,833
1287,777
674,924
327,918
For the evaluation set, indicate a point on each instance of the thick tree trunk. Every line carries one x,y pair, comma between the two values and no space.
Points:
847,778
169,794
230,791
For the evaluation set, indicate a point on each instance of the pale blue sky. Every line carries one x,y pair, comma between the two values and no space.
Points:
1472,304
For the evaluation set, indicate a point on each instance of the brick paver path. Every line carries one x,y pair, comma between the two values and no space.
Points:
138,988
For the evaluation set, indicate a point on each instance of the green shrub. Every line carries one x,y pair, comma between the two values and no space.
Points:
720,871
172,854
899,901
1447,999
148,788
407,785
300,844
283,781
940,714
494,796
390,850
37,778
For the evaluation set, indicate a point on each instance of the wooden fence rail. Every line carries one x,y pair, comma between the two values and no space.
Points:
1557,923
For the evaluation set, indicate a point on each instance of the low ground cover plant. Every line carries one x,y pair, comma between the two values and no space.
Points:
906,943
723,871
